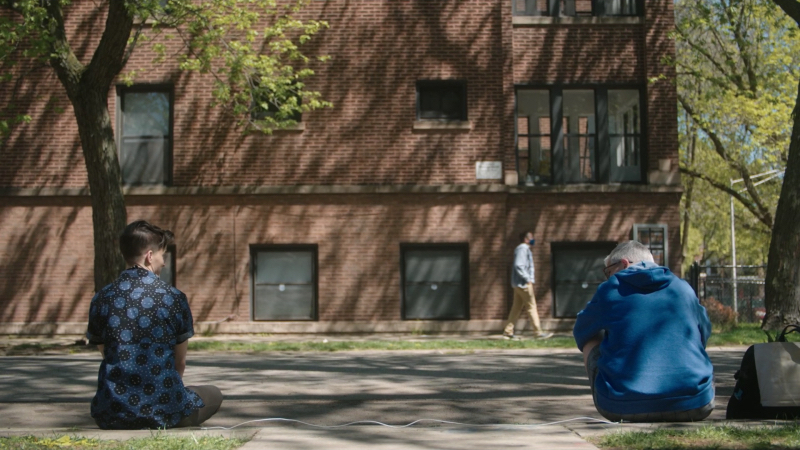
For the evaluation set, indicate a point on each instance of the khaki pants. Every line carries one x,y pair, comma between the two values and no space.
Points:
523,298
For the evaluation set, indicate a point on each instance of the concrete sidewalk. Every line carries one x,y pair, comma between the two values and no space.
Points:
499,399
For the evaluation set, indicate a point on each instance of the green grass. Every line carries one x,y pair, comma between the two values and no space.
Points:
338,346
155,442
777,437
744,334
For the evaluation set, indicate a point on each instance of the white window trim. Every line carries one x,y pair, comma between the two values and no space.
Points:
638,226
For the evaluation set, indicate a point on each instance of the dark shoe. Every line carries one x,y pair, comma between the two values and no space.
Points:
510,336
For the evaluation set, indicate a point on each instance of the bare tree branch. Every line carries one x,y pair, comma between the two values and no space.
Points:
719,147
756,205
137,34
743,46
686,70
108,57
746,202
791,8
62,58
707,55
729,60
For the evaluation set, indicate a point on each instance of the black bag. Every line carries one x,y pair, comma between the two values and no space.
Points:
746,403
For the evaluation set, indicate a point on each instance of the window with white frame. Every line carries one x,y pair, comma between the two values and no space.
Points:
284,282
144,124
654,237
625,134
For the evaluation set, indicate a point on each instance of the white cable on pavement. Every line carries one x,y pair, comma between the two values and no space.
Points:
374,422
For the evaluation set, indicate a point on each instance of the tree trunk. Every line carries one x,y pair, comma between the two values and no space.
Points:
109,216
687,205
782,290
87,87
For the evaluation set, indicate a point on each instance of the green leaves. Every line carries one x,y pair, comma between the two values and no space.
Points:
28,23
252,48
737,73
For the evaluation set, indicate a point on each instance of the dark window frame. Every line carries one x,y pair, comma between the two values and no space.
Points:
432,85
120,124
172,249
554,9
602,151
256,248
636,231
606,246
462,246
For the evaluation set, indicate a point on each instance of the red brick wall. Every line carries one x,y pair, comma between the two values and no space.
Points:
662,97
574,54
47,263
379,50
585,217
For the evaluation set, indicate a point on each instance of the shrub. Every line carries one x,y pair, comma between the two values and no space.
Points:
719,314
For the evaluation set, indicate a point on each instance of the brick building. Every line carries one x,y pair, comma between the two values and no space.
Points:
396,210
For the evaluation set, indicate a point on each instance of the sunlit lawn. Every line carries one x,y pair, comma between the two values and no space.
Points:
156,442
776,437
744,334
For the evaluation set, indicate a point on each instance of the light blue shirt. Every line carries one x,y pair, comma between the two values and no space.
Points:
522,272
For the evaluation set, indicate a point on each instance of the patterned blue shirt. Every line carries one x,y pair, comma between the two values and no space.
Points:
139,319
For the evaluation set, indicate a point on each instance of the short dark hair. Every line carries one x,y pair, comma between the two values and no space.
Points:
139,237
523,235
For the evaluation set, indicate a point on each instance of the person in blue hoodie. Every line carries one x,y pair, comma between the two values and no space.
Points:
643,337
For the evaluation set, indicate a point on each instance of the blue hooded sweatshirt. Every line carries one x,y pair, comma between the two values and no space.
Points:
652,357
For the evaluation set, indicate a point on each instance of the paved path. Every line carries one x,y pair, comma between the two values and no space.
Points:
504,388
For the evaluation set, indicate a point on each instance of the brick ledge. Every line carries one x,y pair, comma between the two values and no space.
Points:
346,189
246,327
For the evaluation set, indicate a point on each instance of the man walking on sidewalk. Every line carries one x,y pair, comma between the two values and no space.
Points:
522,279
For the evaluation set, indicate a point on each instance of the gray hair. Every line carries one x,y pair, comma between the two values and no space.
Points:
633,251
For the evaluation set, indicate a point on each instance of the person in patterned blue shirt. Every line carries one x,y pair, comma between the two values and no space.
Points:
141,326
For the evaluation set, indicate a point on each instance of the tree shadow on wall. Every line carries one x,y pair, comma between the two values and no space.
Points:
380,50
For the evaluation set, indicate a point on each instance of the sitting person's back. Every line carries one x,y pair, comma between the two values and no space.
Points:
142,325
643,336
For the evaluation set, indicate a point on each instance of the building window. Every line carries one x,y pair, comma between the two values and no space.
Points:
168,272
578,126
577,272
284,282
442,100
144,124
598,139
625,135
577,8
620,7
266,103
435,281
655,238
533,136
